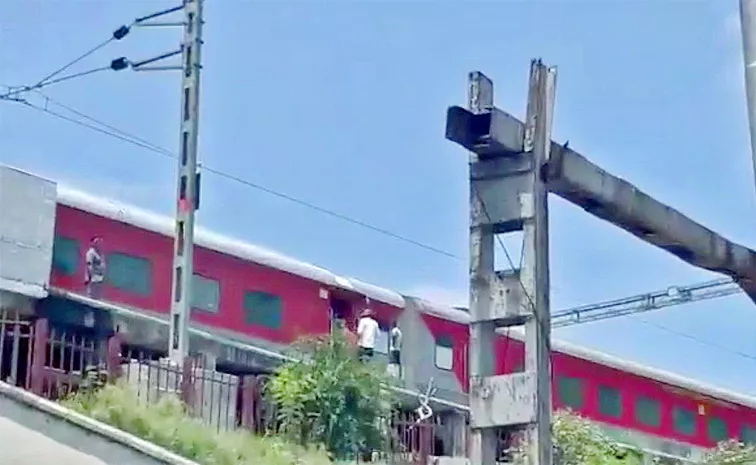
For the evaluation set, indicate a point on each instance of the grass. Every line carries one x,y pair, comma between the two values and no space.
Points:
166,423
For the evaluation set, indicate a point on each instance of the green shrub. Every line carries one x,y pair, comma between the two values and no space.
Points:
333,399
579,442
731,453
166,424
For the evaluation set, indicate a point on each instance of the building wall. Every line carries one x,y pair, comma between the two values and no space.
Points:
27,219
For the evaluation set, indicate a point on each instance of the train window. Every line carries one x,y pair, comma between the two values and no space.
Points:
205,294
262,309
716,429
610,402
647,411
444,352
66,255
684,421
129,273
570,391
748,434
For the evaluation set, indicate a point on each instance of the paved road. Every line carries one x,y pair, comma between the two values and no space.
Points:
20,445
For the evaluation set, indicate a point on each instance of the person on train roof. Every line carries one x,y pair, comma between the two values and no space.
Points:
367,333
94,274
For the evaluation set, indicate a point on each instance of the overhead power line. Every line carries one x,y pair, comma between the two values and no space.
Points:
130,138
88,126
117,64
699,340
14,92
139,142
118,34
96,48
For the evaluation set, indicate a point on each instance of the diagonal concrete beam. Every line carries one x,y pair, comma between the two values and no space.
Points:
573,177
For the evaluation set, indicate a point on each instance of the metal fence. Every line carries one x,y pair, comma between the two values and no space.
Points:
53,363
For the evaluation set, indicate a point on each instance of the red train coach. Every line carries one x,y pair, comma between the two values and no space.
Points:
239,287
633,403
264,298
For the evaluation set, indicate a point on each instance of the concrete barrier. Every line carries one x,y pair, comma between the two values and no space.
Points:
34,431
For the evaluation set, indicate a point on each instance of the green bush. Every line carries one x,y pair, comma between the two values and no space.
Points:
731,453
333,399
167,424
579,442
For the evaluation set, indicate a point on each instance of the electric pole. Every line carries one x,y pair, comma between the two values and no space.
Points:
508,193
187,174
748,31
187,201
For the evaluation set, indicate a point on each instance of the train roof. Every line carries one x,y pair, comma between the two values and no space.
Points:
164,225
463,317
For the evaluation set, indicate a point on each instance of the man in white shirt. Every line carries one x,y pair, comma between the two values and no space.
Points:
367,333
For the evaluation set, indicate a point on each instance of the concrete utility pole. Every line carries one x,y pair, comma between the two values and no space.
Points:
187,201
748,31
508,194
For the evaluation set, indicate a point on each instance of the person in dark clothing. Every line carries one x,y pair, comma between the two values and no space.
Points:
395,351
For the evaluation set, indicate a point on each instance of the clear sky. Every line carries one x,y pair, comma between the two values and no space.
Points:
343,103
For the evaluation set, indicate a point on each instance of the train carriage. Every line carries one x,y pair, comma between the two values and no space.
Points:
248,295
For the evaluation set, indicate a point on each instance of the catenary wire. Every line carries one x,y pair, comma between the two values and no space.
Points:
142,143
125,137
531,303
48,80
15,91
698,340
74,61
88,126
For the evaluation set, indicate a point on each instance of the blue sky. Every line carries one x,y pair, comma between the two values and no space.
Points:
343,104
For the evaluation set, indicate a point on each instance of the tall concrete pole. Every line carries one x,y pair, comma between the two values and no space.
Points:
482,346
748,31
187,179
535,270
508,193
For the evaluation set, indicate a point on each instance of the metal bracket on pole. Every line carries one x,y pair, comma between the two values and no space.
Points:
508,194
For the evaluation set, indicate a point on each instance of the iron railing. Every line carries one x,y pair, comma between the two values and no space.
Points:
53,363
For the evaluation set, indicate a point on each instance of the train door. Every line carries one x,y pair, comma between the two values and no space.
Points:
341,313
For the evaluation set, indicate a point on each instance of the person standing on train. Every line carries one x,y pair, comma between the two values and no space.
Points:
94,274
367,333
395,351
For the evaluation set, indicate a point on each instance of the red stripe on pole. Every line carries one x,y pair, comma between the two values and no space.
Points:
184,205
